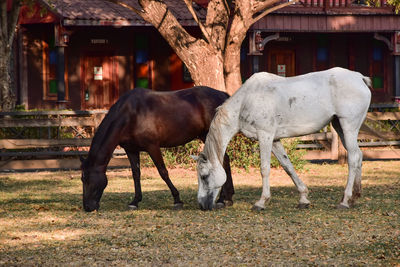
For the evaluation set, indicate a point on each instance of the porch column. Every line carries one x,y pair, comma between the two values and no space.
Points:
60,43
256,46
256,64
254,51
396,77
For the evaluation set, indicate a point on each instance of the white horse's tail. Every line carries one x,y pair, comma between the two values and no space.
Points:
367,81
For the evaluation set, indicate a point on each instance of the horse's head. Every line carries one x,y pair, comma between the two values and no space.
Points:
94,181
211,178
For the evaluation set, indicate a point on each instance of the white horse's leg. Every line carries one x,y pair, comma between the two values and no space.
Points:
280,154
354,160
265,158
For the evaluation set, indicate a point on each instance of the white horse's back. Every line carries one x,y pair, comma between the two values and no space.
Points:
298,105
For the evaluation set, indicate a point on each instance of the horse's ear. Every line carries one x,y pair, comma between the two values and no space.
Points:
196,158
200,158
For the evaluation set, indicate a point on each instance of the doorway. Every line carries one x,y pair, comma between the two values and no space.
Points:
99,81
282,62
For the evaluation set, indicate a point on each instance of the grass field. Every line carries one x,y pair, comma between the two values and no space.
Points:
42,222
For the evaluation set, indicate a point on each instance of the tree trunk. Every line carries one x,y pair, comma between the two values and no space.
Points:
205,65
8,22
241,22
233,77
7,98
208,71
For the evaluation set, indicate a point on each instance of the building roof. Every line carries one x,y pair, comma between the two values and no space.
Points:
103,12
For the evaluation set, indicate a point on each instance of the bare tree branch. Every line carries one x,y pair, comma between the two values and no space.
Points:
260,5
139,12
272,9
243,14
217,21
156,13
195,17
220,6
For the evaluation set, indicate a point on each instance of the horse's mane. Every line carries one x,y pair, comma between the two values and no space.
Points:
213,144
103,131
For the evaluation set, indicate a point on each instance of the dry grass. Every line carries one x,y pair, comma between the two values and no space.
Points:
42,223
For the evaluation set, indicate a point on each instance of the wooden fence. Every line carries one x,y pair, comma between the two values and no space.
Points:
55,139
375,144
48,139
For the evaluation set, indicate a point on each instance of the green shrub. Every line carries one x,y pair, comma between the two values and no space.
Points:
180,156
295,155
243,153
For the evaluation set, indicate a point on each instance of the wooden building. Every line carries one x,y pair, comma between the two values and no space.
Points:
314,35
84,54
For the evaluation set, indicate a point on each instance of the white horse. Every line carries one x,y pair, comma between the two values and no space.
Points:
268,108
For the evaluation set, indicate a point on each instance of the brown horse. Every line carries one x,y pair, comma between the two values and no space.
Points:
145,120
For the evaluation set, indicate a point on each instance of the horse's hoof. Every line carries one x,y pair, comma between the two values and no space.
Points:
132,207
303,205
342,207
178,206
257,208
220,205
228,203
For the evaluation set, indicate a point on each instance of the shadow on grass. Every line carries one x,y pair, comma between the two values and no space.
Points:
11,185
322,198
44,193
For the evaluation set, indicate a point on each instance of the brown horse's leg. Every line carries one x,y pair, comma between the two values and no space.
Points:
156,156
134,159
227,189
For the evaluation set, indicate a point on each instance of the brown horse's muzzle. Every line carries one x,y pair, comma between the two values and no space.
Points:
91,206
91,199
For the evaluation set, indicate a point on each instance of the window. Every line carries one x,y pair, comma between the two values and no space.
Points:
142,62
322,53
377,67
49,70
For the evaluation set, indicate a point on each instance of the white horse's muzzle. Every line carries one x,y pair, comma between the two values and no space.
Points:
207,202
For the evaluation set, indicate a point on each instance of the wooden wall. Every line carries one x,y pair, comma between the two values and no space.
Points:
324,23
